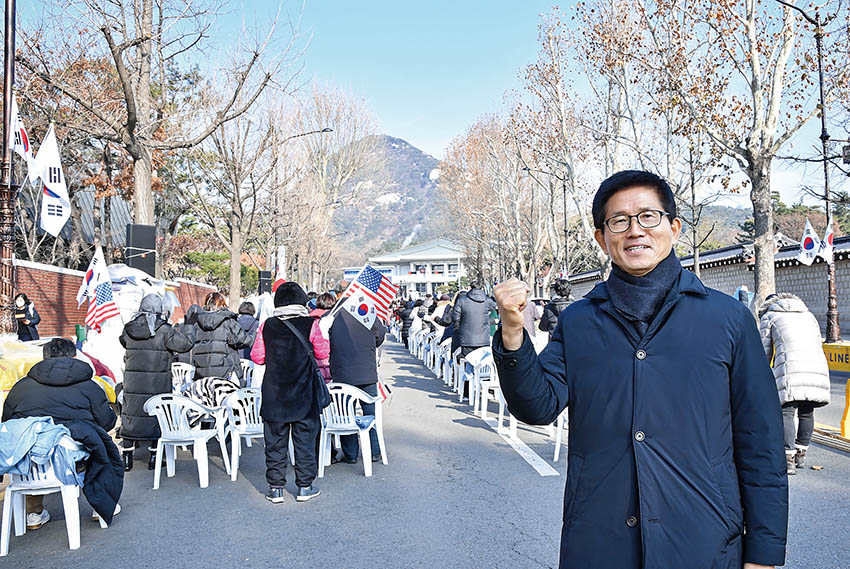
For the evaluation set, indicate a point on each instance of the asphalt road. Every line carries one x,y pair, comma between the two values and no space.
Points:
454,495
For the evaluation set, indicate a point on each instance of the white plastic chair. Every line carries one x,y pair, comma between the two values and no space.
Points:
172,414
426,347
484,382
247,372
243,422
464,376
339,418
181,376
40,481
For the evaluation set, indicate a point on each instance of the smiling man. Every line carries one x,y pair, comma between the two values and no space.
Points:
676,453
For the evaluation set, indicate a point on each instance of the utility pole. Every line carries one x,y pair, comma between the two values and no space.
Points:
8,188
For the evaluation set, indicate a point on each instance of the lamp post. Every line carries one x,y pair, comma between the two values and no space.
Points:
276,210
833,330
8,188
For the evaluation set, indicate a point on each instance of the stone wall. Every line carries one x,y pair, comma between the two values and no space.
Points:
809,283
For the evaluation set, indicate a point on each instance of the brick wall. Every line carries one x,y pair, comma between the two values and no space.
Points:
53,290
189,293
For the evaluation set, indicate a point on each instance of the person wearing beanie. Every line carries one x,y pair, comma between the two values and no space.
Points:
676,452
289,400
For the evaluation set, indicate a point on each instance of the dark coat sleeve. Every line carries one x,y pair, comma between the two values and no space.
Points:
759,448
535,387
35,319
380,332
549,319
239,338
100,409
177,342
11,403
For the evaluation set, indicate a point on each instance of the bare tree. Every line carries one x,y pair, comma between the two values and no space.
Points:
140,46
229,176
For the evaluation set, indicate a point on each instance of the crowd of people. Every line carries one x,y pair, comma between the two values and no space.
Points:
644,352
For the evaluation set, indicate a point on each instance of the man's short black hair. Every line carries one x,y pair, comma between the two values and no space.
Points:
630,179
59,348
562,287
247,308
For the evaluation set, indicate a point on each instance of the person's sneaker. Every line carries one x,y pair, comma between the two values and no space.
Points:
307,493
35,521
800,458
117,511
789,463
275,495
349,460
376,458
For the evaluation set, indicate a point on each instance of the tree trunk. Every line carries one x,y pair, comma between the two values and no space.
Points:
235,262
143,207
765,282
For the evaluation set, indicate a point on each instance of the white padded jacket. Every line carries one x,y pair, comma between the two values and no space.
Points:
791,335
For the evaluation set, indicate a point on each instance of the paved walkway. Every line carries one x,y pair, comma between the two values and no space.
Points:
455,494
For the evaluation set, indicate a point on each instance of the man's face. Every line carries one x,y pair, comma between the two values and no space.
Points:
638,250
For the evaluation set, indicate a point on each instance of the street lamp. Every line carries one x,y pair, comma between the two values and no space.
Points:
833,330
8,188
276,211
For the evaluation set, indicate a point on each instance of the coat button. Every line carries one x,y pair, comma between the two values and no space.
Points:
639,436
640,354
510,363
631,521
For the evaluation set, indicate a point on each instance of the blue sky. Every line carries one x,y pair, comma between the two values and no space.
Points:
427,70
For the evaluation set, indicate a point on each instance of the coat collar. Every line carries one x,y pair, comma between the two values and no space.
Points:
686,283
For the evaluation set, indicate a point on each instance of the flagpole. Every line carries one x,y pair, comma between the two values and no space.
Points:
8,188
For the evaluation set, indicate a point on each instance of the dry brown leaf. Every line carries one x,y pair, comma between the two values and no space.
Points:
817,467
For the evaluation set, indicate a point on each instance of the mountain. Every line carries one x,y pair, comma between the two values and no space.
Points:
398,206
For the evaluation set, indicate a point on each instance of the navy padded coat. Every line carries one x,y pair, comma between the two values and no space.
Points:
676,454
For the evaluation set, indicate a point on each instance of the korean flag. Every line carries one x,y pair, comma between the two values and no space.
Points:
361,308
55,204
809,245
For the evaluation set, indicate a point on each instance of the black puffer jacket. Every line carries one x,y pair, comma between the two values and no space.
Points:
471,316
353,349
406,320
218,339
60,388
551,312
147,372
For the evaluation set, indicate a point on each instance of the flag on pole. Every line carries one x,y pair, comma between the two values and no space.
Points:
20,141
376,287
361,308
55,204
102,306
95,273
825,250
809,245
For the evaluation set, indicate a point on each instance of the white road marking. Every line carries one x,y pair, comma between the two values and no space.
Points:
542,467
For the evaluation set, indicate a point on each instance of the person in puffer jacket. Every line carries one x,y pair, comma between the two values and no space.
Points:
792,341
219,340
561,299
151,344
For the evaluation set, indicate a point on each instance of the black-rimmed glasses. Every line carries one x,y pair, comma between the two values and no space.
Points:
647,219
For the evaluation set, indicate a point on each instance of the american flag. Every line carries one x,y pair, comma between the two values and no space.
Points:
101,306
377,287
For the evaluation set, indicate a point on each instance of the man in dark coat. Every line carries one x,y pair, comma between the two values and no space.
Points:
289,397
248,322
406,317
354,361
60,386
676,454
471,316
560,300
150,344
